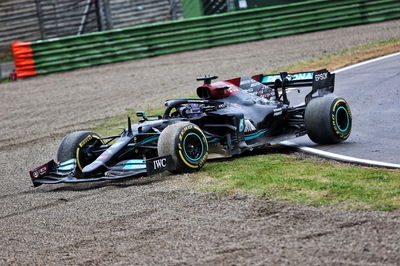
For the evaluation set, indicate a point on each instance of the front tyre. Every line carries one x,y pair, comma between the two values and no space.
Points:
79,145
328,119
187,145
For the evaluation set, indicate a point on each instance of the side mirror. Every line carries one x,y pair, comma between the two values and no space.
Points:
140,114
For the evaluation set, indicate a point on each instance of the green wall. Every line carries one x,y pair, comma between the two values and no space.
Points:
192,8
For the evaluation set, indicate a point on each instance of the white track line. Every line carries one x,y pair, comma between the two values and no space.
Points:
338,157
344,158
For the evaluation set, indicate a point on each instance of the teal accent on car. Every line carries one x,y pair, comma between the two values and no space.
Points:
202,147
347,117
149,140
256,135
241,125
67,165
271,78
68,162
298,76
213,140
133,161
134,166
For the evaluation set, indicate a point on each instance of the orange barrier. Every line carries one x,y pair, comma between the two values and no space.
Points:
23,59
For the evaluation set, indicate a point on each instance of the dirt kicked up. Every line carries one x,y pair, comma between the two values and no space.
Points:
155,220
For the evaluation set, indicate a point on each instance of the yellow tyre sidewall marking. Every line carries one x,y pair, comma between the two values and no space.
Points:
340,135
81,144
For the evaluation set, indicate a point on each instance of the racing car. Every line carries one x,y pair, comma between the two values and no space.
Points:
229,117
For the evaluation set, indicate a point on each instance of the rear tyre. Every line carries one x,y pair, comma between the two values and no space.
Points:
187,145
328,119
79,145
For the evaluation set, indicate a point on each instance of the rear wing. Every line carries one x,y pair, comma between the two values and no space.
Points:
321,81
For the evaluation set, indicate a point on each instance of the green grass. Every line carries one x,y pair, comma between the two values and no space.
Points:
5,80
6,56
282,177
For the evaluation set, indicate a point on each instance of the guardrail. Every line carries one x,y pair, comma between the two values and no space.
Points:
42,57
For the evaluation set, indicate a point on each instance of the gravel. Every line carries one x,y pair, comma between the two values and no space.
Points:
155,220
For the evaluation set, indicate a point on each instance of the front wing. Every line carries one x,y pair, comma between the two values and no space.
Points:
53,173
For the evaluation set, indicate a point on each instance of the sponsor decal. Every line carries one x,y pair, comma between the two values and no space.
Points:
301,76
184,131
231,90
321,76
290,77
83,143
159,164
86,140
42,171
269,79
35,174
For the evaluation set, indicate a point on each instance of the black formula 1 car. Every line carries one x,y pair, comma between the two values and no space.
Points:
228,118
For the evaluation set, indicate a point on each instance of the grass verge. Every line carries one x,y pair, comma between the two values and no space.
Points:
6,56
284,177
5,80
345,57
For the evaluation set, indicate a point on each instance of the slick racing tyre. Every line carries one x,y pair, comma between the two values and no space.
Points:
187,145
79,145
328,119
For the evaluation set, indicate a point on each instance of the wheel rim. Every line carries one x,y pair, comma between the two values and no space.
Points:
342,119
193,147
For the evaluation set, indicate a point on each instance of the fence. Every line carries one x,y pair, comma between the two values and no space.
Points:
45,19
124,13
90,49
17,22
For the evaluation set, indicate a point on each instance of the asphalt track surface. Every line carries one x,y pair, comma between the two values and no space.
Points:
373,92
161,220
